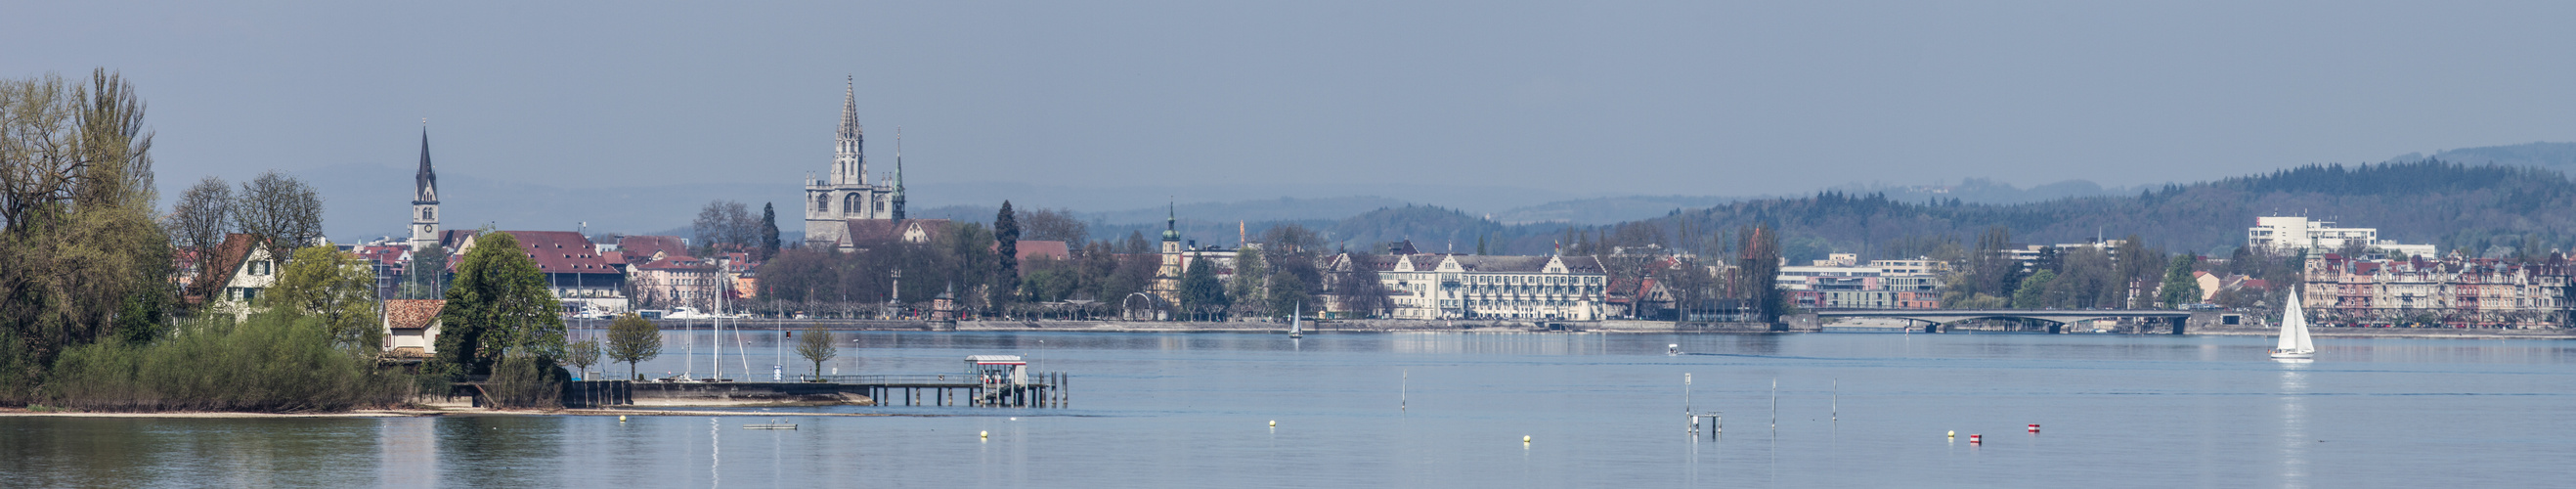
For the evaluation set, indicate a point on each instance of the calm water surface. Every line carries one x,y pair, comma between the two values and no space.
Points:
1449,410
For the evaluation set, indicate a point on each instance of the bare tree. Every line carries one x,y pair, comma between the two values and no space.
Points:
726,225
1055,225
280,210
198,222
818,346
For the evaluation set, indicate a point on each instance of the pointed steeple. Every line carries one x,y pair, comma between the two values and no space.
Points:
1171,222
850,109
898,173
425,184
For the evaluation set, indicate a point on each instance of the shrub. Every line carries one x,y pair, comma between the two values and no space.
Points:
272,363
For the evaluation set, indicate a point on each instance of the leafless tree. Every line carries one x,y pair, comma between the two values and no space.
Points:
726,225
198,222
1054,225
282,211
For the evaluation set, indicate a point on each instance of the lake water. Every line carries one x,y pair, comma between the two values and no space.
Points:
1450,410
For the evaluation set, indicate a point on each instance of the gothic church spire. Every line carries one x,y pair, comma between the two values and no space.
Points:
425,184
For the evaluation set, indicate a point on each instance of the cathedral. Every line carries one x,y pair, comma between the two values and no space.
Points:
846,198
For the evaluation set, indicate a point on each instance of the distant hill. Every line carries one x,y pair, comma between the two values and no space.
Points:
2454,206
2448,204
2555,156
1984,191
1605,210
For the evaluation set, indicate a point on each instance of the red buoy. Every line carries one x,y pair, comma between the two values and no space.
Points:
1976,439
2034,428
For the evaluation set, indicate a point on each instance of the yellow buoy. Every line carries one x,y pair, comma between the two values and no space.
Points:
1274,423
621,418
1524,438
983,434
1954,433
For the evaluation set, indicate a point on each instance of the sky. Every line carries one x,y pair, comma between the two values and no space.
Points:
1597,98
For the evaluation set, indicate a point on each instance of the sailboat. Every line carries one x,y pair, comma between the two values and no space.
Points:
1296,322
2294,334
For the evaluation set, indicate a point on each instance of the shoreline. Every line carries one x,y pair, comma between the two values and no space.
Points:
1383,326
658,410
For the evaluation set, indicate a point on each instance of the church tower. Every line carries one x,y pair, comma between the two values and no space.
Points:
846,194
424,202
1167,279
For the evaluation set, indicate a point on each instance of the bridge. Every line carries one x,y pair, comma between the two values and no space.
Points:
1934,319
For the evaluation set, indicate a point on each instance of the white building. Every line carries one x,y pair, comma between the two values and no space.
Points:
1447,286
2283,234
1841,282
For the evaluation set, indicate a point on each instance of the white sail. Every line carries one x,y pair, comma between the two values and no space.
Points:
1296,321
2294,329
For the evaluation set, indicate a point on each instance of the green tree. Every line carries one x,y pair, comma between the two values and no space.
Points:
768,231
1290,295
2180,287
81,256
1201,293
1249,272
2033,293
582,354
1006,257
631,339
498,306
426,276
337,288
818,346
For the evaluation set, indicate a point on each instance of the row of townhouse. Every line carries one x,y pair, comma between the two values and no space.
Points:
2455,291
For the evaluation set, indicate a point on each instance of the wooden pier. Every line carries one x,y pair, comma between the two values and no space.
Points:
1047,390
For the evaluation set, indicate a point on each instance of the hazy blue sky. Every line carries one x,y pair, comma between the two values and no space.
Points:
1692,97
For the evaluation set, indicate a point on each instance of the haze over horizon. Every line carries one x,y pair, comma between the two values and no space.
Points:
1666,98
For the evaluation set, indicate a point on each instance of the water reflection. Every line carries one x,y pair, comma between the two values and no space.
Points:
500,451
2295,441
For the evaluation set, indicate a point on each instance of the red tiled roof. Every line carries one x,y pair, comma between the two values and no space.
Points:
1032,249
639,249
561,252
412,313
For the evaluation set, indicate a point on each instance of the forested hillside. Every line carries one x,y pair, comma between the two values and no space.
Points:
2479,208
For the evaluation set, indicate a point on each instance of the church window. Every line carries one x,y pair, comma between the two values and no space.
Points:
822,203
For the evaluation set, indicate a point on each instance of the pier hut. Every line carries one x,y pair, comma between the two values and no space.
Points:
999,369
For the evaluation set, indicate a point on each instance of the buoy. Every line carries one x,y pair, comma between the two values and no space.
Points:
983,434
1976,439
2034,428
1524,438
1954,433
1274,423
621,418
